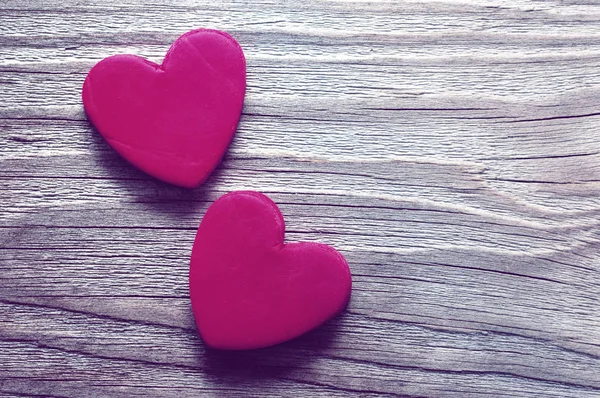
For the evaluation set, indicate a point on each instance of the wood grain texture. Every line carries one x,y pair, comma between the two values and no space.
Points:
449,149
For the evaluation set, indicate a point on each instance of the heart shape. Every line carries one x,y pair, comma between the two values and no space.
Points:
249,289
174,121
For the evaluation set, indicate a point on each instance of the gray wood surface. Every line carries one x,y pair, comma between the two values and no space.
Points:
449,149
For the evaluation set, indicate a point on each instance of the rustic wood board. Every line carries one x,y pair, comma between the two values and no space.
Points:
449,149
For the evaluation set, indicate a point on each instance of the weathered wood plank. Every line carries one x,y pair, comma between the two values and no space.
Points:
448,148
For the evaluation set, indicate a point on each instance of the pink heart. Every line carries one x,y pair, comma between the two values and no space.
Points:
249,289
174,121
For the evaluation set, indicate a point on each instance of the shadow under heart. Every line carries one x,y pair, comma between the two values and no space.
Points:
156,195
240,367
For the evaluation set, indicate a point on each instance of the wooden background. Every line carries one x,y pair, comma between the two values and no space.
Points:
449,149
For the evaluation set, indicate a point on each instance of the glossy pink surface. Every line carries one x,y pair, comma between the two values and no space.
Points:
174,121
248,289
